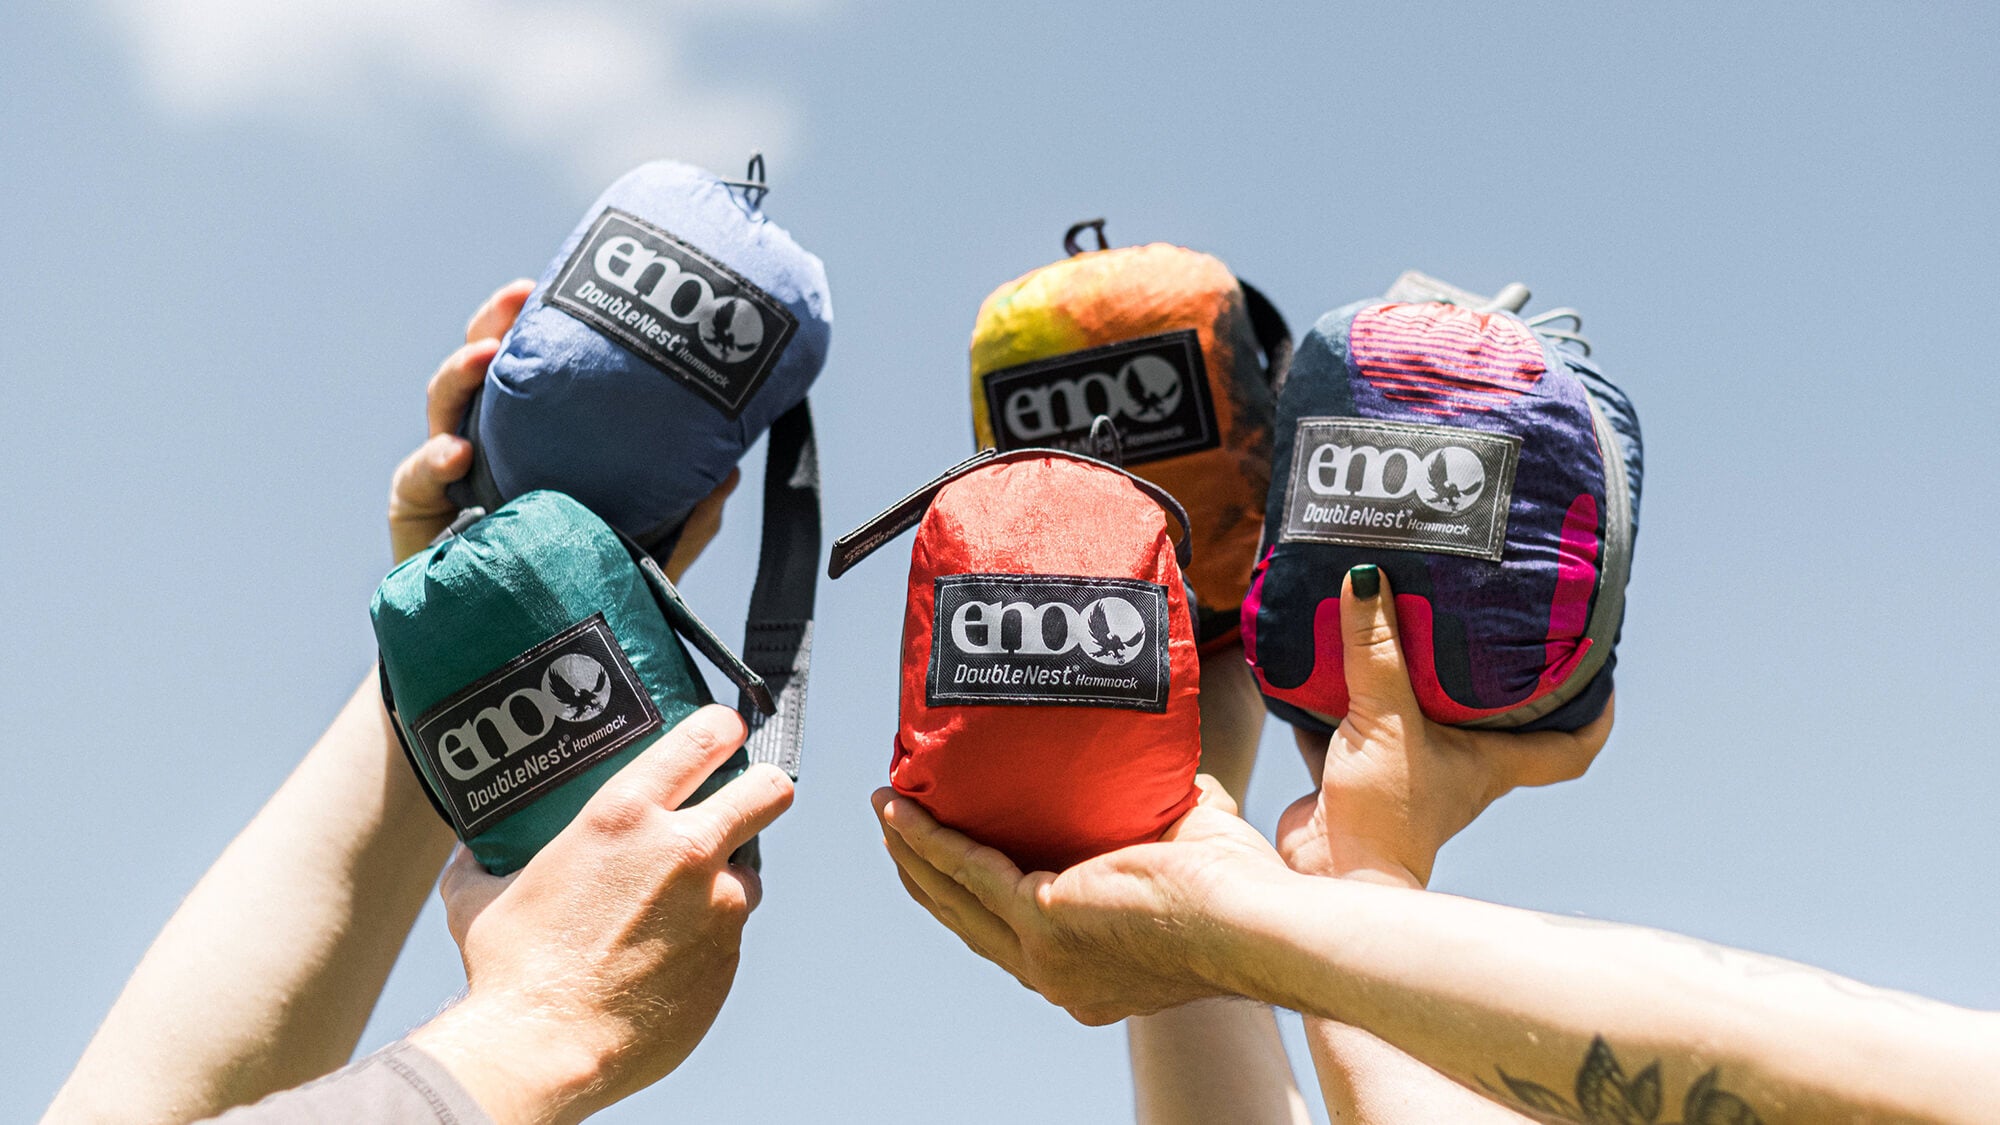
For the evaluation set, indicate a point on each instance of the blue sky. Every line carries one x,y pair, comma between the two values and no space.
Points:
243,234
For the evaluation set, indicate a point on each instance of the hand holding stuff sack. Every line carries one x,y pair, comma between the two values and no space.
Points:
1050,688
1492,471
676,324
1179,354
526,659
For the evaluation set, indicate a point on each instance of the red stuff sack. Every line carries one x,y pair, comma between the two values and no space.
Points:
1050,685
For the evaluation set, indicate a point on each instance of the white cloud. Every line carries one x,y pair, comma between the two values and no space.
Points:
596,85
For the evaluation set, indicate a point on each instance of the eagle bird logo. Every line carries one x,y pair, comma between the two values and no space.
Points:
1107,645
732,330
580,684
1152,388
1455,480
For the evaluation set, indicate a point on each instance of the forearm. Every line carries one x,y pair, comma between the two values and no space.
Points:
1212,1060
1364,1079
1232,720
1217,1060
265,976
1546,1012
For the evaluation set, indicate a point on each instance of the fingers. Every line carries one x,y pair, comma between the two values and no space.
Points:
1295,827
467,889
671,769
418,486
1378,680
498,313
746,806
1211,794
701,527
747,885
990,876
457,379
984,932
418,506
1550,756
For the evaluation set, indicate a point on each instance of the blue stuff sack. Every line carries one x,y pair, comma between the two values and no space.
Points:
674,327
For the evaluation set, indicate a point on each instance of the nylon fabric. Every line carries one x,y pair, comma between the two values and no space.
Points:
1110,296
1050,785
566,407
1526,642
450,615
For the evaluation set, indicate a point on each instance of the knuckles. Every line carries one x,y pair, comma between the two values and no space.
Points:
618,810
1373,633
685,842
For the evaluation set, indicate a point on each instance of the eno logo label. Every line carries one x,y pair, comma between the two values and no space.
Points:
1053,640
1369,483
688,314
529,724
1155,388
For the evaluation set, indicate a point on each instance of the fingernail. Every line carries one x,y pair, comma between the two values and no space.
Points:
1366,580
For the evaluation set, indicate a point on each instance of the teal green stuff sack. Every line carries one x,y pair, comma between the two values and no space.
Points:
526,659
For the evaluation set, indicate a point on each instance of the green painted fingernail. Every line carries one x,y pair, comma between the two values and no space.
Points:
1366,580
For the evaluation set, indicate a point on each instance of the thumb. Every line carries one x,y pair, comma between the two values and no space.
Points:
1211,794
1378,679
467,890
1295,826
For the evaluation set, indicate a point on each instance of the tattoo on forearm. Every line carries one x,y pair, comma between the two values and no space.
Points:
1604,1096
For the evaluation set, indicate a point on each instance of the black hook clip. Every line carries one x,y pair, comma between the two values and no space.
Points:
1106,443
1069,236
752,183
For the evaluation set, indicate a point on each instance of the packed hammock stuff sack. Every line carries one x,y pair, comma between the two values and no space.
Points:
1492,471
526,658
1049,701
675,325
1179,354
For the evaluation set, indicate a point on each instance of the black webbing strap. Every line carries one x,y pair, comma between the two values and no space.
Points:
691,628
777,642
1273,337
904,514
777,638
754,695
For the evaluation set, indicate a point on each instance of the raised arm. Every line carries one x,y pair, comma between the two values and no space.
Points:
1573,1020
1218,1059
1391,788
1563,1020
265,975
591,972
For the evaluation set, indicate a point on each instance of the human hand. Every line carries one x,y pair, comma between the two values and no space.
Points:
418,508
1130,932
1393,785
593,971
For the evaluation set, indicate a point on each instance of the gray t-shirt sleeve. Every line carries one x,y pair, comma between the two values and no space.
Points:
397,1085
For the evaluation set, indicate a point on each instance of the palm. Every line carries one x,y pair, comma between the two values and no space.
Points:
1115,901
1396,786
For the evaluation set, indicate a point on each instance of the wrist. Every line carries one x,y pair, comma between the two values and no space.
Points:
519,1067
1366,860
1369,865
1229,953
